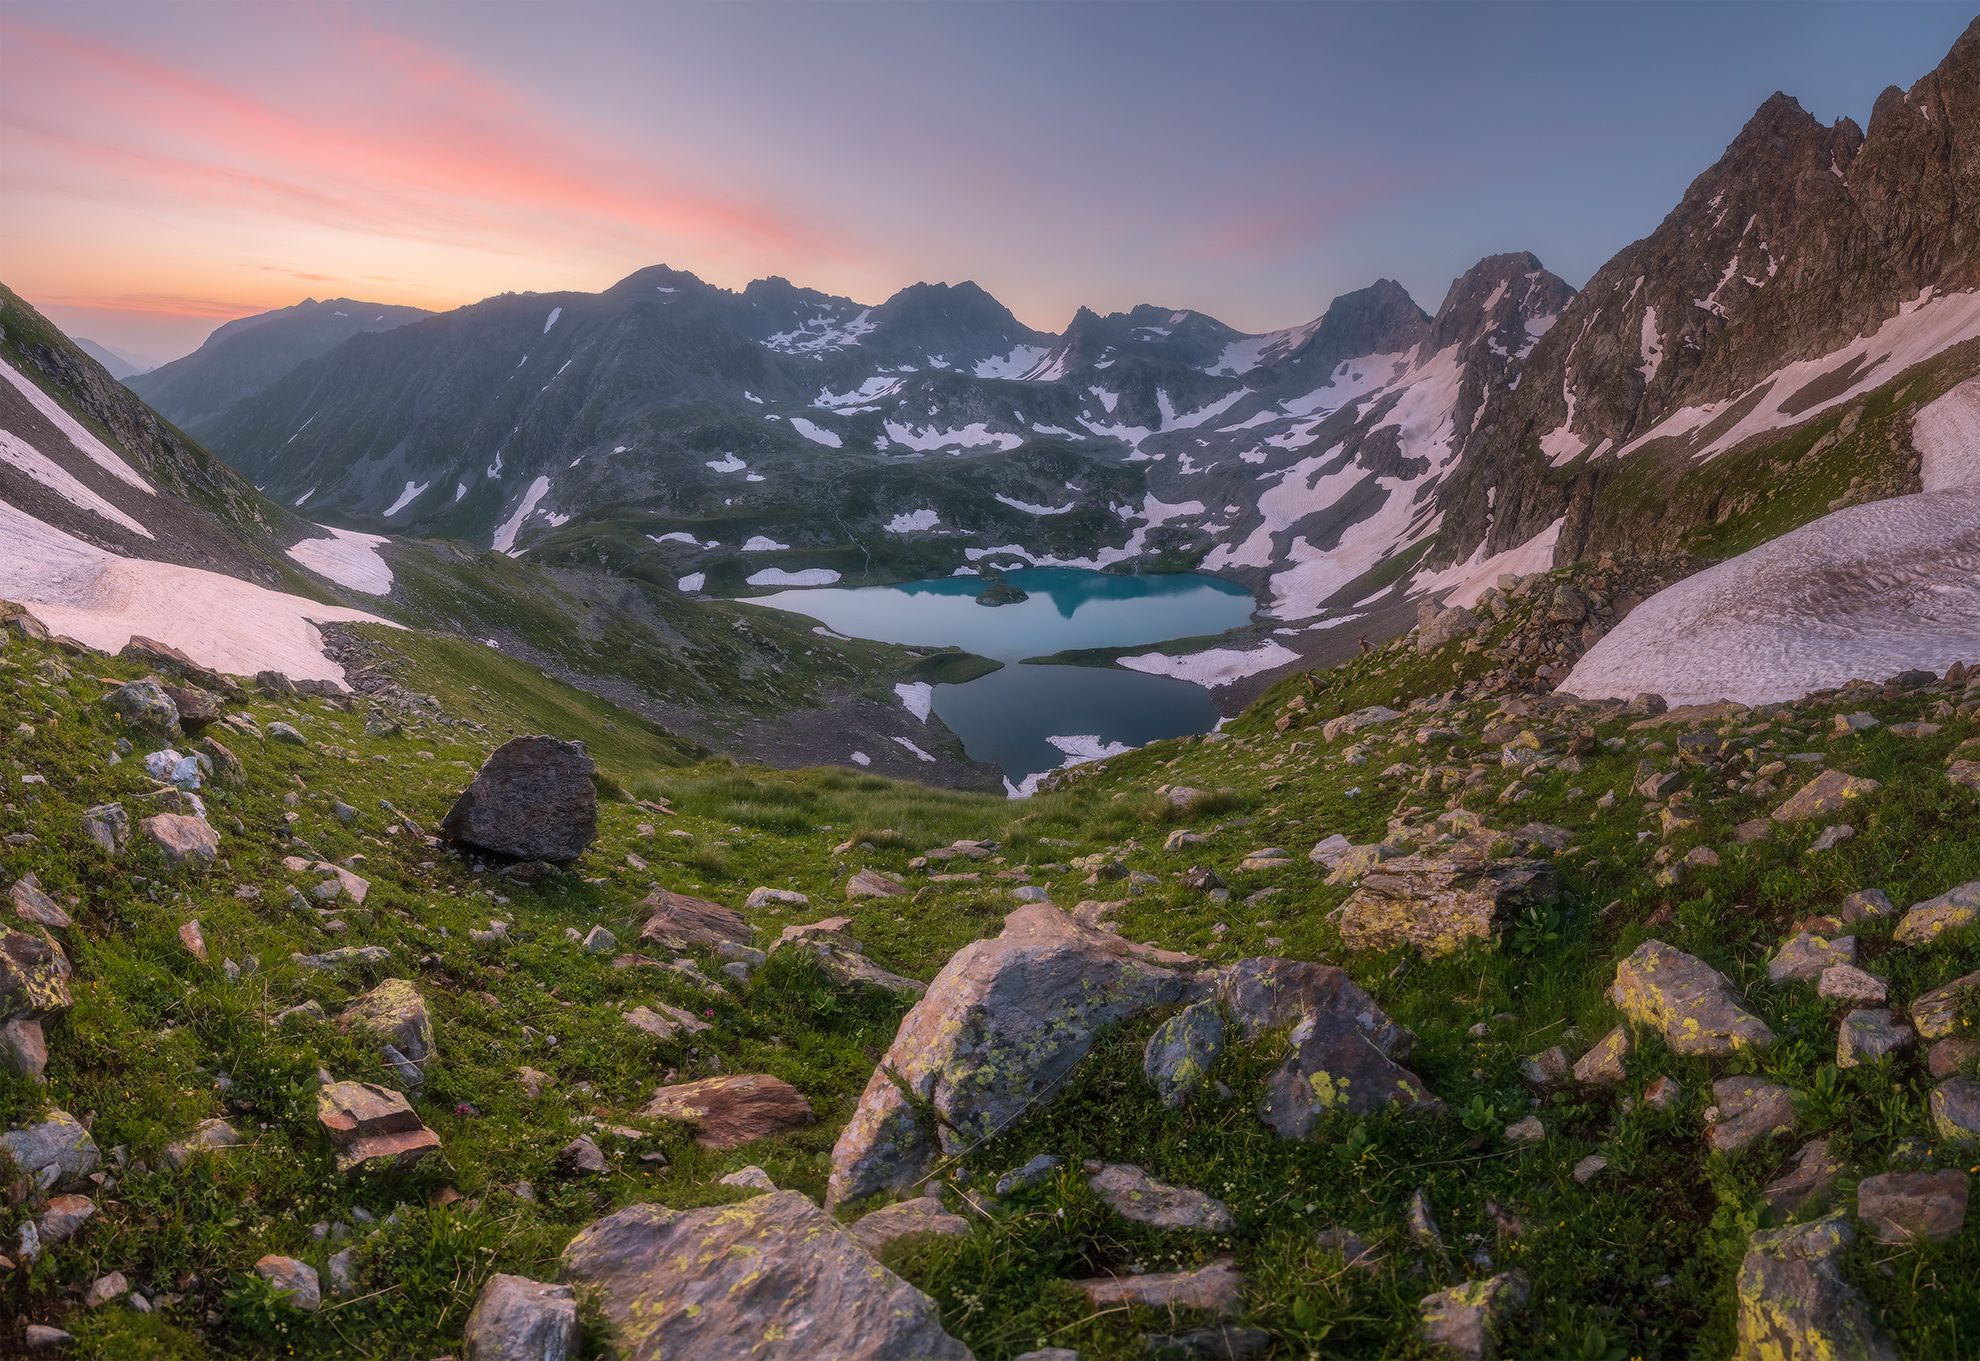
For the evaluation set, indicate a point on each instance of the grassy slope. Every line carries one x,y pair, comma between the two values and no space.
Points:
1639,1263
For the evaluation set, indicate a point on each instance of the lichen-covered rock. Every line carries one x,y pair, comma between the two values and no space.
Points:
1807,1183
1871,1033
1003,1022
728,1112
533,799
772,1276
1602,1065
54,1151
517,1319
1441,903
1182,1051
1805,955
1746,1110
1953,910
34,976
1795,1304
1935,1014
1955,1106
1346,1052
1462,1321
146,708
1828,793
394,1013
1686,1001
1132,1194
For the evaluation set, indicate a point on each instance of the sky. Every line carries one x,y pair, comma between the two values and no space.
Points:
165,167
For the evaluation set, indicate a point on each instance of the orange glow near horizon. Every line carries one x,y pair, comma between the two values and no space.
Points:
98,139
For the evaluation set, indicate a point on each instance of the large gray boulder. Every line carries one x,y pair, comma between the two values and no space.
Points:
774,1276
1001,1025
55,1151
1795,1304
533,799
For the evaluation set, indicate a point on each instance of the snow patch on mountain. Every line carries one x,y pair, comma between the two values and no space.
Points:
1030,509
1468,580
18,454
85,441
551,320
809,576
348,558
976,435
1213,667
412,493
505,534
817,434
727,463
1862,593
1022,362
913,522
693,581
103,599
913,749
830,330
917,697
1946,434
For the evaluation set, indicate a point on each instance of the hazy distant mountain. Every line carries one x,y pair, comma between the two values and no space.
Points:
246,355
119,365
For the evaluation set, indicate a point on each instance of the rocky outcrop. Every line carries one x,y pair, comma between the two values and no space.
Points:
533,799
1002,1024
517,1319
774,1275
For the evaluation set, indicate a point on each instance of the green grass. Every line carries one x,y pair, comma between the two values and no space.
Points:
1639,1263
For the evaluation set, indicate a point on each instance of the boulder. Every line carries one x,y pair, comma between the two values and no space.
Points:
374,1128
109,826
1906,1207
1436,626
517,1319
1745,1110
1345,1052
680,922
1462,1321
145,708
24,1047
728,1112
871,883
1440,903
1182,1051
1807,1183
1950,911
1003,1022
1826,794
715,1284
1687,1001
182,838
1794,1302
55,1151
1805,955
1935,1014
1602,1065
1132,1194
394,1013
208,1136
533,799
34,976
1871,1033
907,1219
62,1218
1955,1106
36,908
665,1021
1215,1289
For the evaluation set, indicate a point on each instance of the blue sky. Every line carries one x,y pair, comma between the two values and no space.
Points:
166,166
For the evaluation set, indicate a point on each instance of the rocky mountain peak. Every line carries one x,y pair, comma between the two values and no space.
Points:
1509,298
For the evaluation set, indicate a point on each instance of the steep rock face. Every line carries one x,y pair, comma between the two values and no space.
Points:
1799,239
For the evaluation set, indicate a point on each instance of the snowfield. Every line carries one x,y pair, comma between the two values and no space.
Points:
917,697
505,536
57,415
1215,667
102,600
347,558
913,522
1863,593
1946,434
809,576
18,454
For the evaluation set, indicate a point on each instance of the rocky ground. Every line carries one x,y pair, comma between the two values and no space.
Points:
1421,1012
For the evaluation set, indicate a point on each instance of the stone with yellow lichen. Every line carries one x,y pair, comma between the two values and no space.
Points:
1686,1001
1795,1304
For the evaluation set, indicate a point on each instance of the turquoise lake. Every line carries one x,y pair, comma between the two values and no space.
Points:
1011,716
